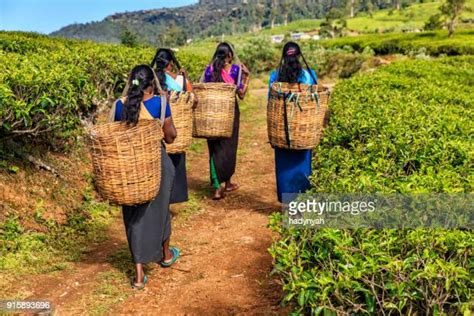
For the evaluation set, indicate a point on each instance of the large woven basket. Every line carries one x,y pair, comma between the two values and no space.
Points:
214,115
296,115
182,109
127,161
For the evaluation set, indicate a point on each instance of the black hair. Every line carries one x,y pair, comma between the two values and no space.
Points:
223,51
141,78
163,57
290,66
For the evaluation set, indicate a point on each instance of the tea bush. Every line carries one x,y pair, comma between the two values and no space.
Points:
48,84
435,43
405,128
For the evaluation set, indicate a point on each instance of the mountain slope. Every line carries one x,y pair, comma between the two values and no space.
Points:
209,18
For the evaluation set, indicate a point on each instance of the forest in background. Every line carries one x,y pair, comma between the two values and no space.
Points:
174,27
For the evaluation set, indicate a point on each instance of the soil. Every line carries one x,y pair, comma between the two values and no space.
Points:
225,266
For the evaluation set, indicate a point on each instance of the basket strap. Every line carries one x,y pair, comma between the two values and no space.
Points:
203,76
309,69
163,109
185,86
239,77
111,116
287,127
315,96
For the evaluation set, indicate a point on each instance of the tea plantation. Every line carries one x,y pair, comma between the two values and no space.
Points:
411,113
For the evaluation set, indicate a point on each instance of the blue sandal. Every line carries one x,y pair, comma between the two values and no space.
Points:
142,285
176,254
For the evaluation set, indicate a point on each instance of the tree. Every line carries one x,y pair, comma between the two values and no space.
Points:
129,38
273,13
452,9
351,4
285,9
334,24
435,22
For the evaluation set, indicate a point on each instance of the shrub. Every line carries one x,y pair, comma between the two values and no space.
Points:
47,85
415,112
435,42
259,55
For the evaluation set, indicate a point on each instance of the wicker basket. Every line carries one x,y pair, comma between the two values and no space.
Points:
296,114
182,108
127,161
214,115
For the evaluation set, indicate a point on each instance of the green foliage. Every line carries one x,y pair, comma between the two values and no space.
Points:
213,19
48,85
258,54
366,271
128,38
411,112
435,22
452,9
46,248
334,24
436,43
407,112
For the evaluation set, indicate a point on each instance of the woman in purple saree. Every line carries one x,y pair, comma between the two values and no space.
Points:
223,151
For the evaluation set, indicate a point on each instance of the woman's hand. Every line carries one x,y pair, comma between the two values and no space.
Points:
245,70
183,72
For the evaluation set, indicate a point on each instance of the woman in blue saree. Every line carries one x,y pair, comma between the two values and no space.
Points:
164,62
293,167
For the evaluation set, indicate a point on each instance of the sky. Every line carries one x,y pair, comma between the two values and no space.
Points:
46,16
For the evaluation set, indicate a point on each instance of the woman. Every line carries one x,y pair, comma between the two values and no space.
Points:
164,63
293,167
223,152
148,226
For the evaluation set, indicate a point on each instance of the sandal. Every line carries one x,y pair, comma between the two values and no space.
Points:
139,286
233,187
176,254
219,195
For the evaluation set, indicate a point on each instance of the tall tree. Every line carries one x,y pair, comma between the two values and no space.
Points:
285,9
452,10
273,13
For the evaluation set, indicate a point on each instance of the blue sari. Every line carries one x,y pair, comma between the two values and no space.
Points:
293,167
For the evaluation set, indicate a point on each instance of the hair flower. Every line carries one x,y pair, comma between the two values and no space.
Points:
135,82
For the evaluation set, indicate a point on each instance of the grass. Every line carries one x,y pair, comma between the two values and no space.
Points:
198,146
54,245
189,208
109,292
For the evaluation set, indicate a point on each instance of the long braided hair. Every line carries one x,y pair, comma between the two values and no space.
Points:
141,78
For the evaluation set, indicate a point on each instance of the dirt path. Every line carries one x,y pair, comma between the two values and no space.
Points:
225,265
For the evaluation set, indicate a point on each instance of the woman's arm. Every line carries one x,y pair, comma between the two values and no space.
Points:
169,130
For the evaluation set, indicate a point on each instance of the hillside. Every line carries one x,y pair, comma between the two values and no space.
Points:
212,18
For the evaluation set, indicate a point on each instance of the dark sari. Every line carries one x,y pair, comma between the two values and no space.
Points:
223,151
148,225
